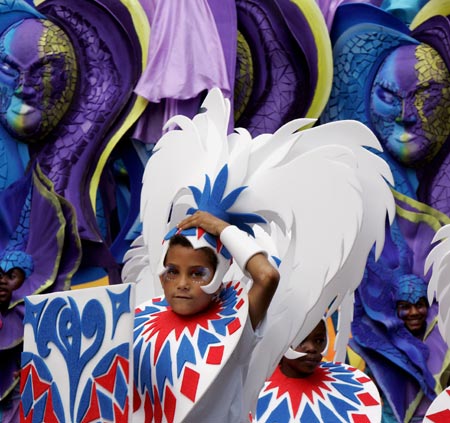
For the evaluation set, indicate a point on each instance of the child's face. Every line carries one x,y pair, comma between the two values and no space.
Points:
186,271
10,281
414,315
313,345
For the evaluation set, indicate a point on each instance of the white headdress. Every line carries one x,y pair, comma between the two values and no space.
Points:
320,187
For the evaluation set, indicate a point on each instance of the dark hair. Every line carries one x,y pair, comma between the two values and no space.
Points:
184,242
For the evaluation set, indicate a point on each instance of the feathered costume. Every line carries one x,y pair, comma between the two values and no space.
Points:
324,192
409,371
110,43
332,392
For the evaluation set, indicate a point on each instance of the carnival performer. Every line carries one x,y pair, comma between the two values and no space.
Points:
15,267
304,388
195,346
401,345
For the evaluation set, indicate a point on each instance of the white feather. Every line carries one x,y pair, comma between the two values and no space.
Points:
439,286
325,198
340,202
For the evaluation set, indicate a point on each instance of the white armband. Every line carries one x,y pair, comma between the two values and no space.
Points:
240,245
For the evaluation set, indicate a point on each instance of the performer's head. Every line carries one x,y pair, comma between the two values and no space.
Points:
186,271
411,303
15,267
410,104
37,78
313,346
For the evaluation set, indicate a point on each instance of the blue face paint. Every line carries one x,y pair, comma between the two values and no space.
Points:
37,78
410,104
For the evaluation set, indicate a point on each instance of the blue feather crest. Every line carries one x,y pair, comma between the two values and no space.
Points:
211,200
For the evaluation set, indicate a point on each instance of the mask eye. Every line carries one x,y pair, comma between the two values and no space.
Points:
8,70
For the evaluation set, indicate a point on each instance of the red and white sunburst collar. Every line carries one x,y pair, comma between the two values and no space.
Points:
178,357
333,389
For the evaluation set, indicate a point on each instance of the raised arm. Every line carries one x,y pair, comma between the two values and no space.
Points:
265,282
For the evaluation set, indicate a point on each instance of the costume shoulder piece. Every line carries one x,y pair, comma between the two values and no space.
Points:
334,392
177,357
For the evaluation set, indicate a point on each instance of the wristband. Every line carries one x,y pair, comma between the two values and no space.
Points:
240,245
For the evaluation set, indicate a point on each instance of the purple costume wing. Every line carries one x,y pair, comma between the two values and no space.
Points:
284,66
192,50
185,53
109,60
42,225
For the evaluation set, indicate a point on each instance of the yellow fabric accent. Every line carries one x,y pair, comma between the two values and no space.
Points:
322,40
432,8
356,360
142,28
434,218
99,282
412,407
331,333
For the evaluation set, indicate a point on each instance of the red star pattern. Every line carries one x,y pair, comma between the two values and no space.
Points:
166,321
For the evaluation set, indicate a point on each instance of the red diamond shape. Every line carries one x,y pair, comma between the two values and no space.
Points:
360,418
234,326
367,399
190,383
215,355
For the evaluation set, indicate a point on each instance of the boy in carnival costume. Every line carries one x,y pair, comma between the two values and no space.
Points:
197,362
304,388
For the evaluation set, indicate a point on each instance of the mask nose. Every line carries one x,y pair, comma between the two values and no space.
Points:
407,116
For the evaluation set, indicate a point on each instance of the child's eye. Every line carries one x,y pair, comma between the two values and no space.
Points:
200,274
170,273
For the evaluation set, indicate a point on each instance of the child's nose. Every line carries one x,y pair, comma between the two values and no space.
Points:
183,282
414,310
309,347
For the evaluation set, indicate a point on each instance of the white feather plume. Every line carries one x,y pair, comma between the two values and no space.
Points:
439,286
325,198
339,200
